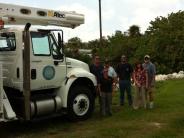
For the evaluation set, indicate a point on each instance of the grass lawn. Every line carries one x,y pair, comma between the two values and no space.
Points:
166,120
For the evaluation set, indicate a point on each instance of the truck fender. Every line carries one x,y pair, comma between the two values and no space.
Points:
73,76
80,72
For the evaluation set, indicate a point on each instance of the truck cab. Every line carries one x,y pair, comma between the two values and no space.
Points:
38,79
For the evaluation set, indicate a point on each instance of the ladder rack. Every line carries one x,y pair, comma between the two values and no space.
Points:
20,15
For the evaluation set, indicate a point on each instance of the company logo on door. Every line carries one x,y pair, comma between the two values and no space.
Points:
48,72
56,14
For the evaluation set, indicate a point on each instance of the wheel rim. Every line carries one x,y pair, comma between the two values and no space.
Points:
81,104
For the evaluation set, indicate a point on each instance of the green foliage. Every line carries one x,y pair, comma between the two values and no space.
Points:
85,58
167,37
75,54
163,41
74,43
134,31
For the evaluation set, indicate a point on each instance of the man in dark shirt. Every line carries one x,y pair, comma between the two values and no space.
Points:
124,71
97,69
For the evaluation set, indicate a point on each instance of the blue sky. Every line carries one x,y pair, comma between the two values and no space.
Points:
116,14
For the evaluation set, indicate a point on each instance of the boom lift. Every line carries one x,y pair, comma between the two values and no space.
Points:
36,79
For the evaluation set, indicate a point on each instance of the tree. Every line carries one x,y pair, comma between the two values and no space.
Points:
74,43
167,37
134,31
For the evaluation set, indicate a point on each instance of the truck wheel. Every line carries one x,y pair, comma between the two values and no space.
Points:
80,103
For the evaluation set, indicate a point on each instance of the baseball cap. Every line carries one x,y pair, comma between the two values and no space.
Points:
147,56
123,56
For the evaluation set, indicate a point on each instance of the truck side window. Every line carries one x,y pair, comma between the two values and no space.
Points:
7,41
40,44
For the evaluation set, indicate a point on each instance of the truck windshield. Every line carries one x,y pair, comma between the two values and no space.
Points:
40,44
7,41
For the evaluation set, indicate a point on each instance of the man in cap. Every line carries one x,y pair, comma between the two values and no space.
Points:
124,71
150,68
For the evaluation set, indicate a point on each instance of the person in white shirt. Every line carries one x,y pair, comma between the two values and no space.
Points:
111,72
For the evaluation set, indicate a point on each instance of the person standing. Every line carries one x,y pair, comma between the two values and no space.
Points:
124,71
140,78
151,70
106,93
111,73
96,68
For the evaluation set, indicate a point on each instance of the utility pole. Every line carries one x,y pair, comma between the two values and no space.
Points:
100,23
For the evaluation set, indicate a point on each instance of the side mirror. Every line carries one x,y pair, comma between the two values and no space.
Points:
57,48
60,41
59,55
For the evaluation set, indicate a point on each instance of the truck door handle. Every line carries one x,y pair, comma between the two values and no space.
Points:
36,60
33,74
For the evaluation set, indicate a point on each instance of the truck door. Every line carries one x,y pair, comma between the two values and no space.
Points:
47,70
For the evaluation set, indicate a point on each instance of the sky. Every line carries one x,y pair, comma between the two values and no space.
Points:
116,14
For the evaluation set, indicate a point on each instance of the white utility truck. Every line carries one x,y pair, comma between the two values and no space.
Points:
36,79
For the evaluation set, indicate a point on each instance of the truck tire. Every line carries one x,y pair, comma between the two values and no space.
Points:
80,103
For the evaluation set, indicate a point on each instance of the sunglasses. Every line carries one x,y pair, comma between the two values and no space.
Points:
146,58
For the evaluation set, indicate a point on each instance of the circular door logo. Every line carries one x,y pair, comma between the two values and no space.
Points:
48,72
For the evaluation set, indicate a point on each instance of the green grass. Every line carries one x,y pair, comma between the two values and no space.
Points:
166,120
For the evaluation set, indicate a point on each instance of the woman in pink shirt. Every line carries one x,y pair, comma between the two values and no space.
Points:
140,78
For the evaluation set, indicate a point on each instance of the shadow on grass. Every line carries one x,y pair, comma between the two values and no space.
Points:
51,126
17,128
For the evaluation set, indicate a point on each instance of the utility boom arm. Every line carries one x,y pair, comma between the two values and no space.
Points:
20,15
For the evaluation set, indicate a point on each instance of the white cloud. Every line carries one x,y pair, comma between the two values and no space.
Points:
149,10
143,11
87,31
116,14
108,14
142,20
